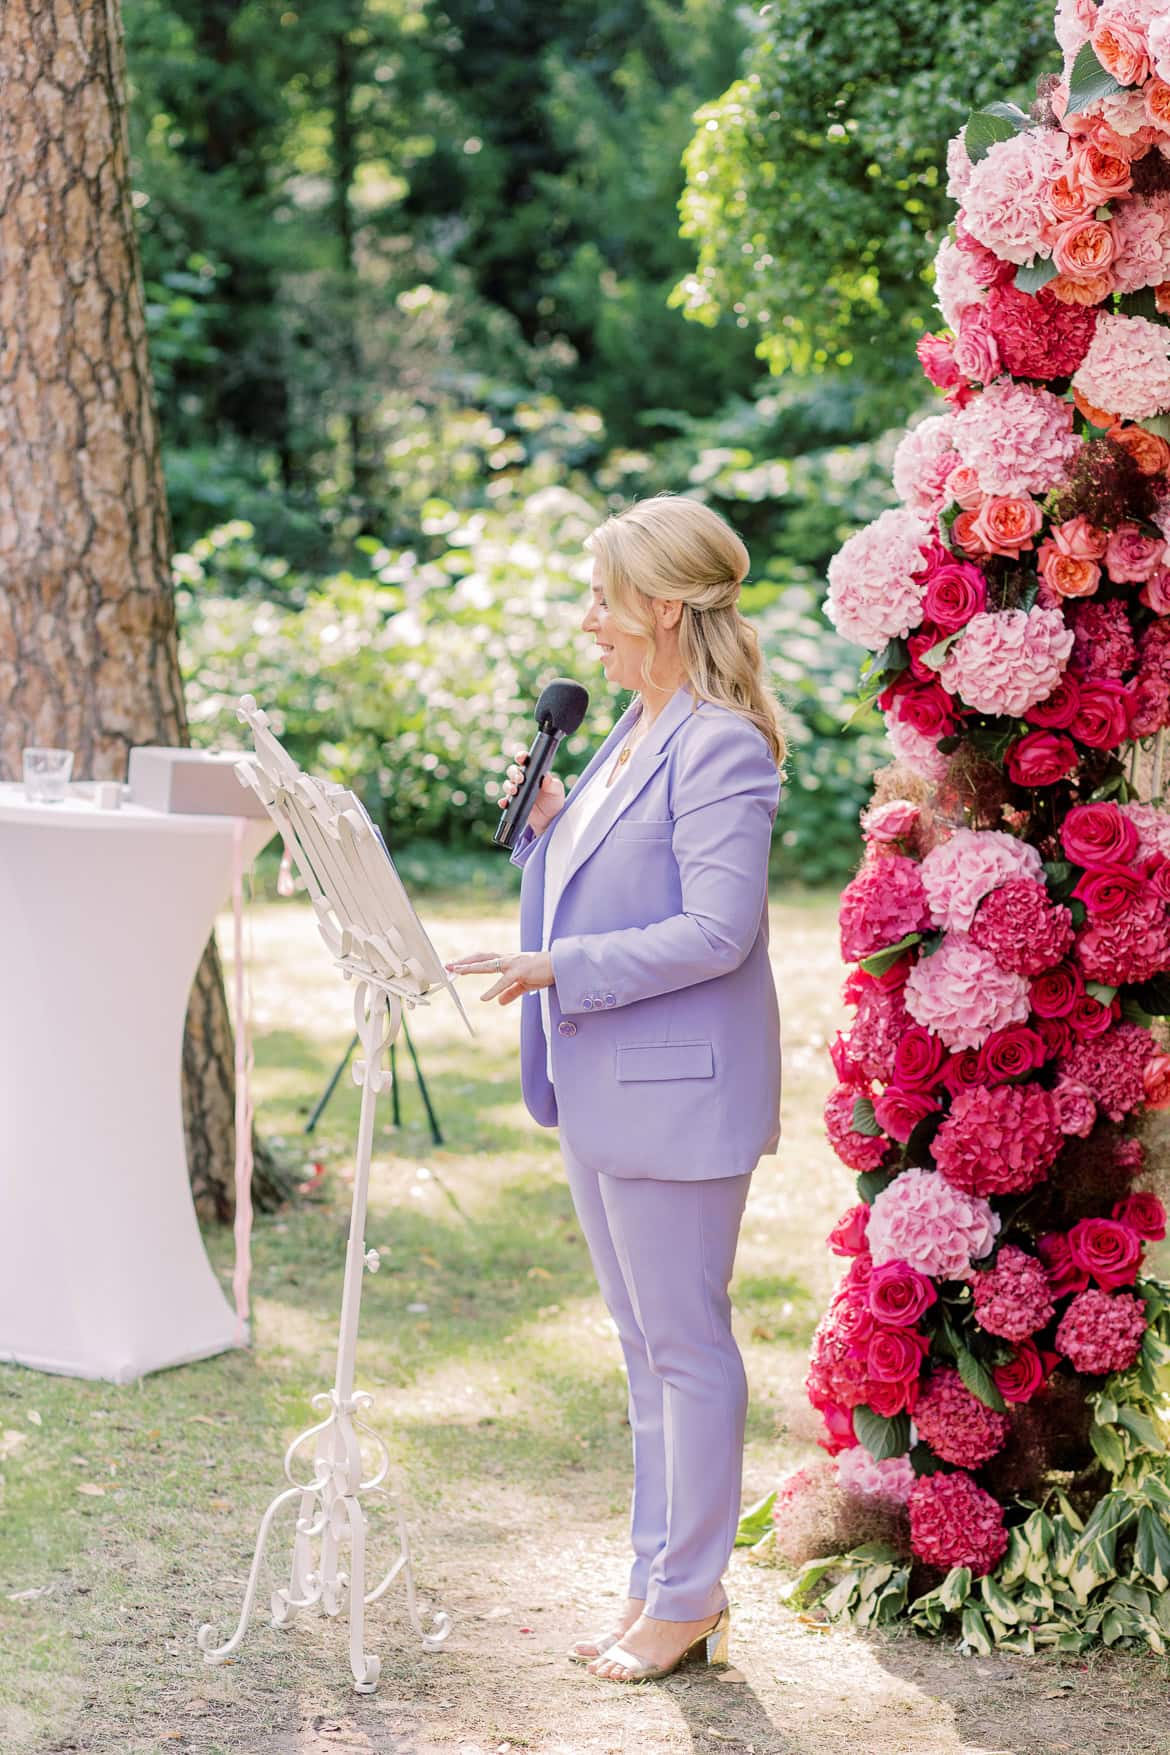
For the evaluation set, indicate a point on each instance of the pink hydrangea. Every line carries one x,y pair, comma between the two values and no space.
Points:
998,1139
1132,946
1141,228
1075,20
881,1022
917,752
1011,1298
1017,438
923,462
1158,40
876,580
962,994
1005,662
1127,367
956,1424
1004,201
858,1151
955,1523
891,1479
958,873
958,286
934,1228
1022,928
1111,1067
883,903
1153,827
1102,1331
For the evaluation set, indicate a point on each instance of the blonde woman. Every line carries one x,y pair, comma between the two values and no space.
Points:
650,1034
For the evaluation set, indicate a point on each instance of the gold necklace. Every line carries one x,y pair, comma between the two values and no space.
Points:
623,757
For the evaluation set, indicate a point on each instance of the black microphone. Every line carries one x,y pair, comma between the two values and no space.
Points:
561,708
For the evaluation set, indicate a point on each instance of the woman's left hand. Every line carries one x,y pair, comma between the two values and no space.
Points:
523,973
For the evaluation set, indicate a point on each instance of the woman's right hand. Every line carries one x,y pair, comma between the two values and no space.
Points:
548,800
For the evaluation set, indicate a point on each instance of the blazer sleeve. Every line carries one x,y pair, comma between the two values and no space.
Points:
724,804
525,841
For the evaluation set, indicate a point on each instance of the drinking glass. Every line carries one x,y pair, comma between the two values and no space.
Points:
46,775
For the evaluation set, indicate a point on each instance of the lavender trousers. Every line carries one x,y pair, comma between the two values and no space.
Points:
663,1254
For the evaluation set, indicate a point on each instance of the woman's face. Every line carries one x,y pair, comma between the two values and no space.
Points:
621,653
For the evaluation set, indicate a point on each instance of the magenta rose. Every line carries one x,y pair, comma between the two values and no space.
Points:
899,1112
839,1433
1103,720
853,1322
848,1235
1041,758
962,1071
889,1399
1060,708
1098,834
954,593
1110,891
898,1294
1157,872
1144,1214
1064,1275
1024,1374
1011,1054
936,356
1107,1250
1055,1035
1056,991
918,1059
927,707
1090,1017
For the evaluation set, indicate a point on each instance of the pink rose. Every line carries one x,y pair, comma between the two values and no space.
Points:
1131,556
954,593
1080,540
976,354
1155,593
1156,1081
1107,1251
1089,1017
894,1356
892,1398
898,1294
963,487
1121,47
1024,1374
1104,717
884,825
899,1112
848,1235
1041,758
1006,523
1083,248
936,355
1101,176
918,1059
928,708
839,1433
1098,835
1110,890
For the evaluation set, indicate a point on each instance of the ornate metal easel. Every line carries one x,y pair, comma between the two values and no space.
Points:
377,941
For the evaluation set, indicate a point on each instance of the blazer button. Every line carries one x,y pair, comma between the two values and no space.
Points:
566,1027
610,1000
586,1005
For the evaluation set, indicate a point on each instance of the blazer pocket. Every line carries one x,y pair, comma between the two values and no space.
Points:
644,828
664,1060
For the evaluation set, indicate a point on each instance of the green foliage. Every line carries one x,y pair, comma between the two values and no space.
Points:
814,190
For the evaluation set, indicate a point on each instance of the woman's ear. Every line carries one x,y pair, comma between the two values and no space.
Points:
669,611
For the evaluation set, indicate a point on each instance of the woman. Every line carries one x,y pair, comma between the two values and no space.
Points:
650,1034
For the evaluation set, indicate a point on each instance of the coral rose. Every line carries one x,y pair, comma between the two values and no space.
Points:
1006,523
1149,451
1122,50
1083,248
1100,176
1066,576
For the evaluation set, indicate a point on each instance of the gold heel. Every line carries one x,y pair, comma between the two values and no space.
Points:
711,1645
719,1640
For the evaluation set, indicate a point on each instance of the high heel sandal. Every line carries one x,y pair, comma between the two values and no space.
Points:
713,1643
601,1643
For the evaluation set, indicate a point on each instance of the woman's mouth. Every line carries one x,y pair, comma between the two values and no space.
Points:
605,651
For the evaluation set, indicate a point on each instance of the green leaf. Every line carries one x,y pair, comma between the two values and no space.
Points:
934,655
984,128
880,961
1088,81
1101,991
1151,1551
1158,423
863,1119
978,1379
975,1630
955,1587
1031,276
870,1184
1061,877
997,1600
1108,1447
755,1522
924,1462
1154,996
1143,1429
1141,304
882,1436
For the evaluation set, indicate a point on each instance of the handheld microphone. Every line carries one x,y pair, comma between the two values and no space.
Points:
559,711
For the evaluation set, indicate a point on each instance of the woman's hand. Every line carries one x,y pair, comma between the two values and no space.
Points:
547,803
523,973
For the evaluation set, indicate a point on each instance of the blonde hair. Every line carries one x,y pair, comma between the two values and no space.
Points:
676,548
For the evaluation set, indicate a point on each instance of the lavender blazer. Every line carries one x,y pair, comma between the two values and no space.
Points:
666,1030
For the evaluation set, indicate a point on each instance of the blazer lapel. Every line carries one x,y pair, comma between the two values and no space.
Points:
644,764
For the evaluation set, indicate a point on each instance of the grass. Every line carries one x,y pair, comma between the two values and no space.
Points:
127,1514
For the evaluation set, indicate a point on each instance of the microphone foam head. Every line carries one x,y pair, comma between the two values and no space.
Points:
563,704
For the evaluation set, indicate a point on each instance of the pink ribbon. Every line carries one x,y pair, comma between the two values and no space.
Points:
242,1272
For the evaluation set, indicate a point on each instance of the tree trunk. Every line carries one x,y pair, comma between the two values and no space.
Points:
88,646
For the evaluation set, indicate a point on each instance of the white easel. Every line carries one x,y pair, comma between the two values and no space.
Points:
377,941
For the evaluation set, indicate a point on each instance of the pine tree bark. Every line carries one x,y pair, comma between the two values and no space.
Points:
88,646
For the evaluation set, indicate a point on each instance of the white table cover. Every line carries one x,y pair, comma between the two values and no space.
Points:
103,919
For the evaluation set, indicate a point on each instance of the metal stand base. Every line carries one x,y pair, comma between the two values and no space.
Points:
330,1512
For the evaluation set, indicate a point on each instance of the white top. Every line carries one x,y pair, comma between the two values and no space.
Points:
566,831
